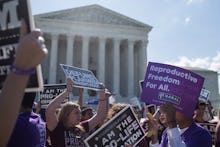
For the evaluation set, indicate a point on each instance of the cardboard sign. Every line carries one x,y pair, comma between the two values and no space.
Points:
82,78
11,14
211,128
165,83
121,130
204,95
50,92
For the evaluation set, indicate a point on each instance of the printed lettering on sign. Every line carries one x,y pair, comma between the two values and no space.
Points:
166,83
11,14
50,92
123,129
82,77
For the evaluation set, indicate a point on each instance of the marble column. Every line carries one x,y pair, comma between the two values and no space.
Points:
85,52
101,60
116,66
85,59
69,53
143,59
53,59
131,68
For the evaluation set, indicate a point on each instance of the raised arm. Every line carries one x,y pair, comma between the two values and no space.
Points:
38,107
80,100
217,134
102,109
51,118
29,54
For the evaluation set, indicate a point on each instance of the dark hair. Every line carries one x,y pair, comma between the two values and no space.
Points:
28,100
200,103
84,110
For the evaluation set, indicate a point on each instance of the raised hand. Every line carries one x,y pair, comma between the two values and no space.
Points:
31,49
69,85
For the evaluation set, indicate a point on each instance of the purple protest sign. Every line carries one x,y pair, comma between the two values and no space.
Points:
166,83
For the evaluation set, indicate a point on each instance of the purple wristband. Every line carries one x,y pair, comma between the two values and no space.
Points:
21,71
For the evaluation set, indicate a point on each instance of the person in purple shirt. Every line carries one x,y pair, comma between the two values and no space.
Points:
30,52
30,129
181,130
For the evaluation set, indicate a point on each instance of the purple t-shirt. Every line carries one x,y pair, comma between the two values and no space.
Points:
194,136
29,131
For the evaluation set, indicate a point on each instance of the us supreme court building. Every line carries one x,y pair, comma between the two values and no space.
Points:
111,45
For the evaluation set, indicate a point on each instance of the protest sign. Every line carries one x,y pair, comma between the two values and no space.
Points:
11,14
211,128
82,78
135,102
150,108
121,130
204,95
50,92
141,84
165,83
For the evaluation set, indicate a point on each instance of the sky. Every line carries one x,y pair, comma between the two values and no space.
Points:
185,32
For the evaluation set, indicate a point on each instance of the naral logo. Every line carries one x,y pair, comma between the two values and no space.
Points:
170,98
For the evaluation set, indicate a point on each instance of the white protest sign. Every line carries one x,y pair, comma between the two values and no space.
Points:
123,129
134,101
82,77
141,84
204,95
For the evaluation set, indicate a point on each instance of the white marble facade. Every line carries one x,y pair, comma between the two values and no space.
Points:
210,84
111,45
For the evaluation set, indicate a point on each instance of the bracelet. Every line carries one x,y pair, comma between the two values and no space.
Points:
21,71
102,99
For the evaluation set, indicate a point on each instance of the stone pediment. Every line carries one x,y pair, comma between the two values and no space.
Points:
93,14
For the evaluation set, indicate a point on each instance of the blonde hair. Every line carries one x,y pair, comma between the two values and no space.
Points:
116,107
66,109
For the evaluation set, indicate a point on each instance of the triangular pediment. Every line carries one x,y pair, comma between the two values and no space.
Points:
93,14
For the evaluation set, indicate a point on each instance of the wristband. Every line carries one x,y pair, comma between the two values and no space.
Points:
102,99
21,71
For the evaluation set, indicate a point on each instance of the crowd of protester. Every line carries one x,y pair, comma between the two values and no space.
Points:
70,123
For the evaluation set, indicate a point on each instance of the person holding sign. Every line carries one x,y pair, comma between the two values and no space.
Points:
199,112
66,130
86,113
181,130
30,129
30,52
